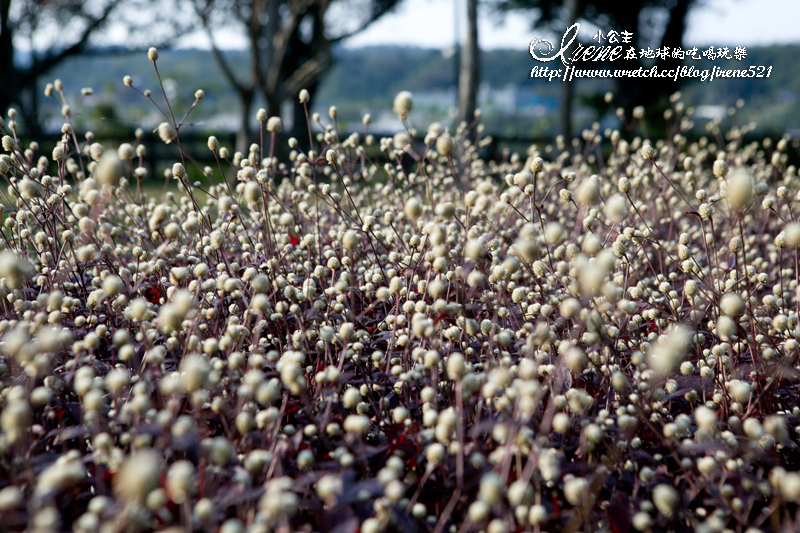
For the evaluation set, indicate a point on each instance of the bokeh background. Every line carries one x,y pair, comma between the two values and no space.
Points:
453,55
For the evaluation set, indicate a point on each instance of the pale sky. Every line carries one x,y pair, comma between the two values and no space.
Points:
431,24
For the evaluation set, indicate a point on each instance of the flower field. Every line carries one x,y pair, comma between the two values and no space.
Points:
346,332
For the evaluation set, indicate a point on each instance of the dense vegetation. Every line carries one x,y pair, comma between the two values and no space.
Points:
386,334
363,80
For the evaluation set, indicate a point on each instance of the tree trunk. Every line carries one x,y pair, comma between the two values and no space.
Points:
673,38
29,108
273,109
299,125
244,135
568,94
469,76
565,111
8,72
647,91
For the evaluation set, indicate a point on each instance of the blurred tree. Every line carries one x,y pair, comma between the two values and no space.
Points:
571,8
51,31
29,22
289,42
469,75
653,23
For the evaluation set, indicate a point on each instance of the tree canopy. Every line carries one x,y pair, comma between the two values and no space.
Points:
654,23
36,36
289,44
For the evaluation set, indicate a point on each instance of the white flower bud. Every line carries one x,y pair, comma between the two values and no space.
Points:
403,103
413,208
350,240
666,499
113,286
166,132
14,270
194,372
181,481
731,304
253,193
456,366
445,144
358,424
110,169
274,125
705,418
435,453
719,168
178,170
574,489
740,391
740,189
138,476
491,489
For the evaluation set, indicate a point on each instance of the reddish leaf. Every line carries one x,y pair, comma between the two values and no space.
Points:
618,518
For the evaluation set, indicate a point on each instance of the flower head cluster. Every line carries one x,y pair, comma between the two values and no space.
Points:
418,339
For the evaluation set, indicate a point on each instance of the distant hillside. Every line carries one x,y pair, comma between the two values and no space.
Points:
773,103
366,80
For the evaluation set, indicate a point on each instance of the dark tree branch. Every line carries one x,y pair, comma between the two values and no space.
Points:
7,69
309,73
254,32
281,43
283,59
220,57
379,9
40,66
